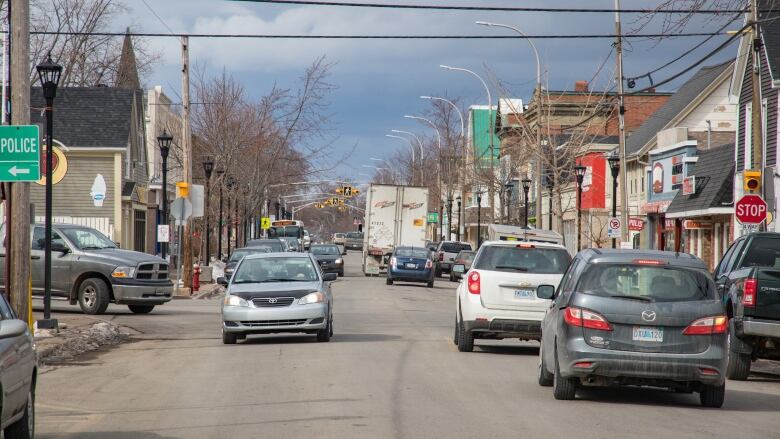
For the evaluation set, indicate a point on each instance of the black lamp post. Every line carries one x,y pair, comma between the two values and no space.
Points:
440,236
614,166
457,233
49,75
579,172
479,219
164,142
231,185
220,173
508,187
526,188
550,185
449,217
208,168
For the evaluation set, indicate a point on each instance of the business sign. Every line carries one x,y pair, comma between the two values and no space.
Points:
20,153
636,224
163,233
689,185
614,227
696,225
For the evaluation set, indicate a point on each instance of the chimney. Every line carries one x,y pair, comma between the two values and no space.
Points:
581,86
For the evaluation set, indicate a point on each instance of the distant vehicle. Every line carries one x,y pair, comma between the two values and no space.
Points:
432,245
501,232
273,245
89,269
329,258
339,238
18,375
395,217
445,255
289,228
306,240
277,293
353,241
291,244
239,254
411,264
748,279
498,298
639,318
465,258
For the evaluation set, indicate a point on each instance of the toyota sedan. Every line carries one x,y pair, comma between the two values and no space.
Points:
277,293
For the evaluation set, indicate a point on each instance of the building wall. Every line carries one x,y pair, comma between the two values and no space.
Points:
718,110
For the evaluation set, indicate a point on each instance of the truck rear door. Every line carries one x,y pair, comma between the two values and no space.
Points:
763,256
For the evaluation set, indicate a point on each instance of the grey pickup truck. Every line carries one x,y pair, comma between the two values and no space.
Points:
748,280
88,269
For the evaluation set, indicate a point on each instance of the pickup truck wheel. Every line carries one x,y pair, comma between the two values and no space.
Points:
437,272
389,281
141,309
93,296
738,368
712,396
24,428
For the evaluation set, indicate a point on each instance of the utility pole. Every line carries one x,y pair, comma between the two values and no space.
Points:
621,127
758,142
18,231
187,155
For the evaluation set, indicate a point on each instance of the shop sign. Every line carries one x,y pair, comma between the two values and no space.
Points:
669,224
689,185
694,224
636,224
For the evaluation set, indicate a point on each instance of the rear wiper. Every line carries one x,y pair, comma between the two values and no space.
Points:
640,298
510,267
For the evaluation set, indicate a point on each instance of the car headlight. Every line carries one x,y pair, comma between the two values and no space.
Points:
339,261
231,300
315,297
123,272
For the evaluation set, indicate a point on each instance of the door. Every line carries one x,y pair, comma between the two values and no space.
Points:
60,264
139,231
16,365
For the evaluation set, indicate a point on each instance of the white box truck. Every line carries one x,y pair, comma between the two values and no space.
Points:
395,216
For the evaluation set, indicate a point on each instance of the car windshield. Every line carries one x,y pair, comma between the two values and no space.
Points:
281,269
88,239
291,231
411,253
763,252
325,250
238,254
647,283
354,235
272,245
523,259
454,247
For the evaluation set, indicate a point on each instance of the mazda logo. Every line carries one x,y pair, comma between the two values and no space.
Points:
273,300
648,316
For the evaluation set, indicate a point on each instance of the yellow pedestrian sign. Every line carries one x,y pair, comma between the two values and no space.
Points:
265,223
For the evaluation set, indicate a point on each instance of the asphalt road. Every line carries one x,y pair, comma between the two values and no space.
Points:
391,371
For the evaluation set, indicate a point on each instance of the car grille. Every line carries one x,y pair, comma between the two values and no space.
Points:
152,272
273,301
265,323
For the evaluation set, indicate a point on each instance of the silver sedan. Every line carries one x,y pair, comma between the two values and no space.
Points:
277,293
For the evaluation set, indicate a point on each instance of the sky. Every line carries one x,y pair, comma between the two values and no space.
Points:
380,81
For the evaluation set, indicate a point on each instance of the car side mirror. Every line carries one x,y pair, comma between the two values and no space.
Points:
222,280
60,247
545,291
12,328
459,268
330,277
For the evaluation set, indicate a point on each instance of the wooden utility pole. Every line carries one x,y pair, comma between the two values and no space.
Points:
18,231
621,127
186,145
757,121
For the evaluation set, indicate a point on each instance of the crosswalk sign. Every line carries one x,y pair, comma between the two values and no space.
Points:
347,190
265,223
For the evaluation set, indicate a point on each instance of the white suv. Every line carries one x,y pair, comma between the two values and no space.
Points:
497,297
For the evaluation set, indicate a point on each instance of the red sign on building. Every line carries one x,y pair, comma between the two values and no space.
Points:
594,184
689,185
636,224
751,209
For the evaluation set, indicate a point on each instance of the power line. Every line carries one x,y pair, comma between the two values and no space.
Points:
377,37
158,17
493,8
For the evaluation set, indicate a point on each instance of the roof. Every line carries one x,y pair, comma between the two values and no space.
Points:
770,30
714,171
97,117
605,255
127,188
676,103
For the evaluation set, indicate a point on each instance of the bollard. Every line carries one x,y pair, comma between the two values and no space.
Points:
195,277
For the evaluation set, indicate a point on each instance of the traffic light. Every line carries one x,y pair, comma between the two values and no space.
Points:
752,180
340,191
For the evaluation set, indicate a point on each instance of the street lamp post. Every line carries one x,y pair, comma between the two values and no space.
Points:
208,168
440,182
614,166
550,185
479,219
220,173
457,233
449,217
49,75
508,189
422,154
526,188
411,146
231,185
579,172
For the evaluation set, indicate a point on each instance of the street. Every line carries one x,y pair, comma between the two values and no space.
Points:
391,371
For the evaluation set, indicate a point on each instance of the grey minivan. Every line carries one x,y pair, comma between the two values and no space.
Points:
631,317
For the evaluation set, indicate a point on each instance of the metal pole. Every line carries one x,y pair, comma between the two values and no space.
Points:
614,204
579,216
47,236
622,127
219,228
228,226
457,233
550,205
525,200
164,245
449,218
208,230
479,220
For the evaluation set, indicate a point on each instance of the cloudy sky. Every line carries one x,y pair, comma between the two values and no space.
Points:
380,81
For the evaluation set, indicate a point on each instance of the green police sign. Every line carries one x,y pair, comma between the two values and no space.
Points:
433,217
20,153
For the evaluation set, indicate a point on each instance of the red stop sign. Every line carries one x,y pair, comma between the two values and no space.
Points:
751,209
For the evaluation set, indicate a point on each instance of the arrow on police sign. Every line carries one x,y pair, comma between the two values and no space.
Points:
751,209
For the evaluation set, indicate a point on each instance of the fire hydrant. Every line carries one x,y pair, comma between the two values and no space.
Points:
195,277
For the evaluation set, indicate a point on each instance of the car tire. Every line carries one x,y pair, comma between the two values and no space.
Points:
457,331
430,284
324,334
452,278
229,337
465,339
712,396
389,281
24,428
437,272
545,378
93,296
141,309
738,368
341,273
564,389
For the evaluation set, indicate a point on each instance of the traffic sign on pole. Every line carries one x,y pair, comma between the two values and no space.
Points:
20,153
614,227
751,209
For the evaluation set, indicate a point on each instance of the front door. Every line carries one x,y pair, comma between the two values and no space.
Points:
60,264
139,230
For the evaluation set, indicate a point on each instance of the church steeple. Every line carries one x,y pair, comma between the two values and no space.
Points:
127,72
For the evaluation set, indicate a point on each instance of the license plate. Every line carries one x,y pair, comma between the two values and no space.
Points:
411,266
524,294
644,333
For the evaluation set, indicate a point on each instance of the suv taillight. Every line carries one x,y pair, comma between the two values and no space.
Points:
708,326
441,256
474,287
749,290
586,319
429,264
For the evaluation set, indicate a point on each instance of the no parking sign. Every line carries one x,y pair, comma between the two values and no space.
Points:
614,227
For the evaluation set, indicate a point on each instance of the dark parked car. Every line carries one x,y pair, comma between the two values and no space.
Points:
410,264
748,279
643,318
238,254
17,376
465,258
329,258
354,241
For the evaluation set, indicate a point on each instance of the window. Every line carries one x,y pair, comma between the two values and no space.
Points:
454,247
281,269
412,253
643,184
646,282
238,254
524,260
569,279
325,250
88,239
727,260
39,238
763,252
